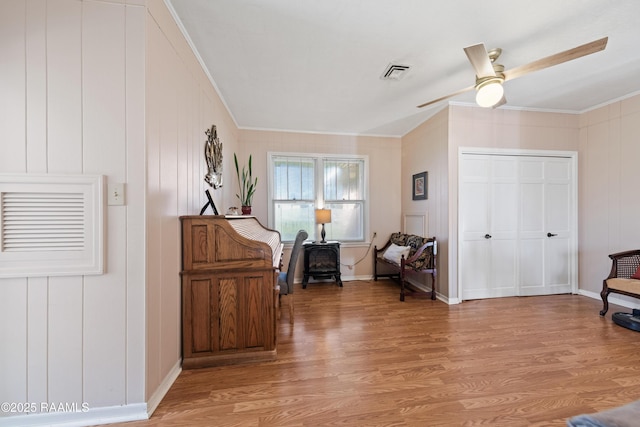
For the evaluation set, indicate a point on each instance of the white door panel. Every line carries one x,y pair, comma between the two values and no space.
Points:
489,226
503,267
558,226
558,277
476,167
504,209
516,223
557,169
530,265
557,200
474,275
476,195
531,169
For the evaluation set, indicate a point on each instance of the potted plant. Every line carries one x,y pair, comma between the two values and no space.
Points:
247,185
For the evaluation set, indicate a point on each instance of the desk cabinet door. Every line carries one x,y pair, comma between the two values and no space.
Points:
226,313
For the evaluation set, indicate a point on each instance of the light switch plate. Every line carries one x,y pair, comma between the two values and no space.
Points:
116,194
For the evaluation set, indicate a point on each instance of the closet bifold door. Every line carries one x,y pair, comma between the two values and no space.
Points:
517,225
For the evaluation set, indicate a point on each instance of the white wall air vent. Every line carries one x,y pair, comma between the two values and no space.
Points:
394,72
51,225
42,221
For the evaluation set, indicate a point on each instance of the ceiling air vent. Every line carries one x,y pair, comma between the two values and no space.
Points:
394,72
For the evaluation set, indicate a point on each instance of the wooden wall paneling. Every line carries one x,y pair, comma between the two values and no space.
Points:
182,158
36,86
64,87
64,150
206,115
13,336
135,58
103,90
12,83
104,119
629,175
168,227
105,329
615,169
13,292
65,339
37,339
595,234
155,80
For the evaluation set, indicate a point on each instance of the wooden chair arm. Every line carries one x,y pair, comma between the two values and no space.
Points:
376,251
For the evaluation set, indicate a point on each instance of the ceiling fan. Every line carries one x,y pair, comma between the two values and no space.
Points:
490,75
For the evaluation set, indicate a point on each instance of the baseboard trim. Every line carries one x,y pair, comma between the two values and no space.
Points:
163,388
93,416
613,299
101,415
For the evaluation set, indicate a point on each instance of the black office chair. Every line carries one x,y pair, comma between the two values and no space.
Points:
285,278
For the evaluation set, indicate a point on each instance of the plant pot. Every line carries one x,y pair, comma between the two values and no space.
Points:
246,210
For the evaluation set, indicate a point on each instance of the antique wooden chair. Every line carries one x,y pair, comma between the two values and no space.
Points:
624,277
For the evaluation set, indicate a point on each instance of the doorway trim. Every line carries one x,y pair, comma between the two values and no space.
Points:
571,155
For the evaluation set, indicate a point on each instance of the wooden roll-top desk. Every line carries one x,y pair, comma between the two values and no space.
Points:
229,295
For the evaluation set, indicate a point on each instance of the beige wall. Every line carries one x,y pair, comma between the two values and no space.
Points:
500,128
181,104
609,152
384,155
426,149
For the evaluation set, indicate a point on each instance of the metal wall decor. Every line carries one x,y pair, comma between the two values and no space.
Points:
213,156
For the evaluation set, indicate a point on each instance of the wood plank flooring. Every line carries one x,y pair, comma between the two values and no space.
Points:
357,356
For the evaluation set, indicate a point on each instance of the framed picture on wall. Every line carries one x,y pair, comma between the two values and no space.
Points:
420,186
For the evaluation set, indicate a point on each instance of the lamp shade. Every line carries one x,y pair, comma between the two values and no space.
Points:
323,216
489,93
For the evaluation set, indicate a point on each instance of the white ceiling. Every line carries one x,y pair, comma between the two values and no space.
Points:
315,65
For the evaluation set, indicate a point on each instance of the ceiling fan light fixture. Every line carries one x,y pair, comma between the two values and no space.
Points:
489,92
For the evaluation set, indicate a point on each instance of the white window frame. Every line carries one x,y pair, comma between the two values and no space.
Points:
319,183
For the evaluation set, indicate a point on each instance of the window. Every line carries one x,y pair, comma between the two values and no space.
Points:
301,183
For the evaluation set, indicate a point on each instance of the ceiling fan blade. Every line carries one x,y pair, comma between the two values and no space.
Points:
558,58
479,58
451,95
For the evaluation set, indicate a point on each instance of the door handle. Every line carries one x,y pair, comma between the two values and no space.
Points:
487,236
551,234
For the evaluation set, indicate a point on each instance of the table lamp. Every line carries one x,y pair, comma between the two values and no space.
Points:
323,216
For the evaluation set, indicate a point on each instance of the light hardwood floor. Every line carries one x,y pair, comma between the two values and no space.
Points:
357,356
